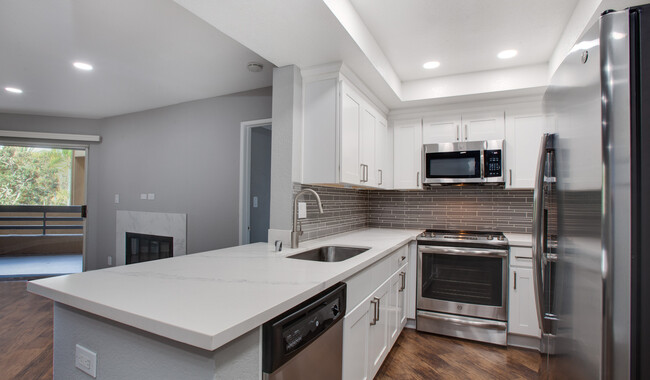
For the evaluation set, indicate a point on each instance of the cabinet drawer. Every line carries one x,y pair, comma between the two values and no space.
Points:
521,257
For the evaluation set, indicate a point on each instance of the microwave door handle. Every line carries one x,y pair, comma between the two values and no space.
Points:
482,164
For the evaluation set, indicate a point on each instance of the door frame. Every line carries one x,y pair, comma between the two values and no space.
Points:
245,175
69,146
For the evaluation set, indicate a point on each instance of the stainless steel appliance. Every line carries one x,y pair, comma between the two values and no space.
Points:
479,162
597,327
306,342
462,285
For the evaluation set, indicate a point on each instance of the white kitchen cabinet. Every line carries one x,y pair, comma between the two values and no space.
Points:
340,133
378,338
465,127
356,327
383,156
523,137
407,154
397,306
522,309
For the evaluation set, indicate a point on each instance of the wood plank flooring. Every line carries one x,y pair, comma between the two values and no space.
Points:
418,355
25,333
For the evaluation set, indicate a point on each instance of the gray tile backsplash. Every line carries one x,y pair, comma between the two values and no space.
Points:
448,207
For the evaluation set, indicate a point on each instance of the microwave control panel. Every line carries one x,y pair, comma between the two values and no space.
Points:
493,163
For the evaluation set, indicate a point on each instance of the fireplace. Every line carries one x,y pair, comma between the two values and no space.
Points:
142,247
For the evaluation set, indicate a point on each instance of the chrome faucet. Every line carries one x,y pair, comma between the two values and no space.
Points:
295,232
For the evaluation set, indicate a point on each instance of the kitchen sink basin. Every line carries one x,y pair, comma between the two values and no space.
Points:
329,253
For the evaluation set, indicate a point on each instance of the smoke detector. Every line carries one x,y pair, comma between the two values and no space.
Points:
255,67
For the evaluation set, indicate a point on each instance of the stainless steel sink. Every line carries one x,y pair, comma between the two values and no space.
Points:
329,253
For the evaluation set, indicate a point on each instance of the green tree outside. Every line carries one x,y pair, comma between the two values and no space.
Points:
35,176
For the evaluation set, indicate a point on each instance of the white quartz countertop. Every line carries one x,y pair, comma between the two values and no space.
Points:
519,240
208,299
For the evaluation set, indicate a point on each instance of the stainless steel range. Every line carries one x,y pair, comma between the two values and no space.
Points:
463,284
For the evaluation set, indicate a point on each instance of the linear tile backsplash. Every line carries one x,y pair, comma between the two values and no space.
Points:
446,207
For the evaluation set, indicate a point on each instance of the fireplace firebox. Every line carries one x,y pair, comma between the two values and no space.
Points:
141,247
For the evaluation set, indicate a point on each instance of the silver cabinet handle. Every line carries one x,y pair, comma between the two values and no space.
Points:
375,314
418,180
378,308
457,132
515,280
403,276
510,176
363,171
366,177
381,176
465,131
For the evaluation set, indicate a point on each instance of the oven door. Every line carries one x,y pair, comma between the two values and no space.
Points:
463,281
453,163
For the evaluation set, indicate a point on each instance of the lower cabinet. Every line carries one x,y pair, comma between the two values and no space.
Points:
522,309
371,327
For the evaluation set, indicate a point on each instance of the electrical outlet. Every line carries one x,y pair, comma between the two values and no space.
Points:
302,210
110,260
255,201
86,360
151,196
143,195
117,198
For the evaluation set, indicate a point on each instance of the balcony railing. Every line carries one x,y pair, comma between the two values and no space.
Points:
41,220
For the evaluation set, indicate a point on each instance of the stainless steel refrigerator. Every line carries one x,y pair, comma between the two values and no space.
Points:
592,292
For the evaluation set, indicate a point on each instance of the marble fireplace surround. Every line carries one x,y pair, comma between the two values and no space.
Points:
150,223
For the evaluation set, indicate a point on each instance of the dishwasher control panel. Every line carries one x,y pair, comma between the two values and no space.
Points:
287,334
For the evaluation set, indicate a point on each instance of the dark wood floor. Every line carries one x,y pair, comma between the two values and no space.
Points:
25,333
26,348
418,355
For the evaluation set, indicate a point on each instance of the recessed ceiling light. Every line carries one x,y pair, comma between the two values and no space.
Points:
431,65
14,90
83,66
507,54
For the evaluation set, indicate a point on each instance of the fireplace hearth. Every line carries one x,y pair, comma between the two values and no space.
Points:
143,247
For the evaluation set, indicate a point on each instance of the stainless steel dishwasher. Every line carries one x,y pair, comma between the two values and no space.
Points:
306,342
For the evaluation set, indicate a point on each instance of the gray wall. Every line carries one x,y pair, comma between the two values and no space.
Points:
33,123
260,184
188,155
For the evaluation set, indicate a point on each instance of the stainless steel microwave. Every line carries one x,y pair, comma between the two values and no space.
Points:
463,162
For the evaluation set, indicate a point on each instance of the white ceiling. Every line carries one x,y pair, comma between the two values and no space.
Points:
146,54
464,36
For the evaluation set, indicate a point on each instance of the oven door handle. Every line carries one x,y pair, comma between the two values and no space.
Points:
464,251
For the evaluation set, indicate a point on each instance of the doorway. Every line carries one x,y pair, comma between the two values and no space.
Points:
255,181
42,210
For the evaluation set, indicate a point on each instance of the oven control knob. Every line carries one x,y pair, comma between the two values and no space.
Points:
502,238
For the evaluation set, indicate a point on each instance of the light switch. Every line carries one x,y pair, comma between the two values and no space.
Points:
117,198
255,201
151,196
302,210
143,195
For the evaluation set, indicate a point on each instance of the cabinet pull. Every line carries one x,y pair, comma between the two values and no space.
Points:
523,257
418,180
362,173
366,178
465,131
375,314
403,276
381,177
510,176
515,280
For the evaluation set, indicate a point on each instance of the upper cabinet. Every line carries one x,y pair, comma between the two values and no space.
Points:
344,136
465,127
407,153
524,130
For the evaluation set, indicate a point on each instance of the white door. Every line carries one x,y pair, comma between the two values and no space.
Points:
441,130
479,126
350,126
407,154
367,148
522,316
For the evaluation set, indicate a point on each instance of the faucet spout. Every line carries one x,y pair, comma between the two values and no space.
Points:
295,233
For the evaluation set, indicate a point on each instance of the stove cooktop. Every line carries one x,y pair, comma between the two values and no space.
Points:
468,238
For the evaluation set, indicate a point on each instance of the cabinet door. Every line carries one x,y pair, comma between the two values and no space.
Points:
407,153
483,127
393,308
350,129
367,148
441,130
381,153
356,327
523,136
402,297
378,332
522,316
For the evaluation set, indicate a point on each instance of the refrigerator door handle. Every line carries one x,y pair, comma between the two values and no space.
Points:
538,232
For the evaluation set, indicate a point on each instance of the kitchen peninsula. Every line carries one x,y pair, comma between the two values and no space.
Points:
194,316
